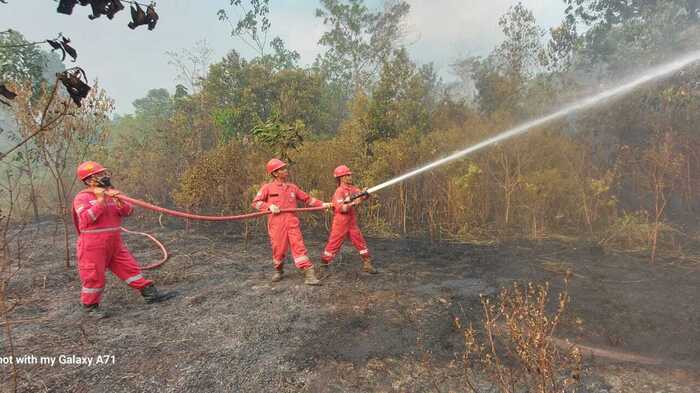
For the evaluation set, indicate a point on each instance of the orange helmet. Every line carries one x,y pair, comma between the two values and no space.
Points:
341,171
89,168
275,164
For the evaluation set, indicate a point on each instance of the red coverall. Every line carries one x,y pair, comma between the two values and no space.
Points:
344,224
284,228
100,246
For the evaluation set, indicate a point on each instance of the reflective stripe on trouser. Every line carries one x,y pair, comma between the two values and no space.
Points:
283,237
99,252
341,229
100,230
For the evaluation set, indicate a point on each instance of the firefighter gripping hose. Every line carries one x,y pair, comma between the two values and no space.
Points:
192,216
102,188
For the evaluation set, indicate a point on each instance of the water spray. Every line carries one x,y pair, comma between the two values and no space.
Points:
653,74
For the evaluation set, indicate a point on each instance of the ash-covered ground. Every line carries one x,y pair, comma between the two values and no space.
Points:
232,330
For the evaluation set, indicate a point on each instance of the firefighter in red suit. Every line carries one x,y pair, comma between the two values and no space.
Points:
284,227
97,216
345,221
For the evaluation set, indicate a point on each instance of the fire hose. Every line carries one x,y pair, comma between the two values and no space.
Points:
191,216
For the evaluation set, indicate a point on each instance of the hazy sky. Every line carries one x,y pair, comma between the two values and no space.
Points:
129,62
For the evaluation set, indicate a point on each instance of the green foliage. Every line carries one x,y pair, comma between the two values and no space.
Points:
401,99
358,39
631,35
20,63
247,93
150,115
615,12
279,137
253,28
517,55
156,105
501,79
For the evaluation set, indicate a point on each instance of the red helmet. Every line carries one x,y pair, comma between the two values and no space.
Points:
341,171
275,164
89,168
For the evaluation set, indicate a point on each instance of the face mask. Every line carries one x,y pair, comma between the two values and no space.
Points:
105,182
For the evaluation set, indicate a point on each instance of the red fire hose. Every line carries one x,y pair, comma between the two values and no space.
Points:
159,244
176,213
208,218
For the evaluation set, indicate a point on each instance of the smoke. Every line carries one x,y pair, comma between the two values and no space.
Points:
620,90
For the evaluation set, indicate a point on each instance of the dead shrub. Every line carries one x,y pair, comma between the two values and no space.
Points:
516,350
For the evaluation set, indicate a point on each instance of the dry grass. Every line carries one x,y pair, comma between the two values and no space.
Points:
515,350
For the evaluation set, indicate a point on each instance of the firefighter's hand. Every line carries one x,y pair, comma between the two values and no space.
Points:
112,192
327,205
274,209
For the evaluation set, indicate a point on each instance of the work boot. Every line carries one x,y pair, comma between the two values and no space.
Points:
151,294
367,266
310,277
93,311
279,274
323,269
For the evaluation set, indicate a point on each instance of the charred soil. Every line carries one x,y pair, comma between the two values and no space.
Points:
231,329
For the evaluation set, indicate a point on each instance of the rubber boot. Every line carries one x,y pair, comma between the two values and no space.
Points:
310,277
367,266
93,311
279,274
151,294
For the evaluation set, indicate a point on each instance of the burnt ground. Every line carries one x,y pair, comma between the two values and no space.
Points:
230,329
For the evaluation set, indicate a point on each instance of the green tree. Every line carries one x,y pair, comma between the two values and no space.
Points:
613,12
156,105
253,29
402,99
19,60
625,35
501,79
279,137
151,113
358,40
247,93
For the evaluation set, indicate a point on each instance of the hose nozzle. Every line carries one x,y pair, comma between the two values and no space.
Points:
362,194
